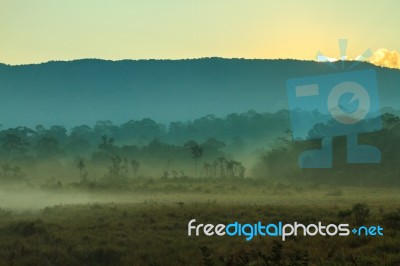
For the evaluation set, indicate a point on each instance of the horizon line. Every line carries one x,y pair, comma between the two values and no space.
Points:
181,59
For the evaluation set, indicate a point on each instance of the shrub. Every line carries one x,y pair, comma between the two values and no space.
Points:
344,214
361,212
392,220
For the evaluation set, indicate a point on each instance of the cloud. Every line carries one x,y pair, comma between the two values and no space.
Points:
323,58
386,58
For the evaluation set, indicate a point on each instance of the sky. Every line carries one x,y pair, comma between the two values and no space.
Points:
44,30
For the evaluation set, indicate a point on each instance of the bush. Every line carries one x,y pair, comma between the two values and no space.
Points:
392,220
28,228
344,214
361,212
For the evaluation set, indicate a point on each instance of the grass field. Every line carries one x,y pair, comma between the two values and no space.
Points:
145,223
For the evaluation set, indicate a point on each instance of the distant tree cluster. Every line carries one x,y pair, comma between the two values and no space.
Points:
124,147
281,161
222,167
208,145
57,140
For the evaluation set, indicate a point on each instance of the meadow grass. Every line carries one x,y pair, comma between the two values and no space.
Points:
145,223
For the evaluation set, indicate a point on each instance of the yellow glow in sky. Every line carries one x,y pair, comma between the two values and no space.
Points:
43,30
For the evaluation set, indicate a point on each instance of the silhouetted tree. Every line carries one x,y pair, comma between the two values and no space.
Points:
361,212
82,171
197,151
207,169
135,167
221,163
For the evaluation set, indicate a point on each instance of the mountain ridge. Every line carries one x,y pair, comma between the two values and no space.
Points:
185,59
86,90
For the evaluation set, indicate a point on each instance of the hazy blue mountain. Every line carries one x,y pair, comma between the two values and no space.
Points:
84,91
